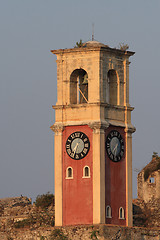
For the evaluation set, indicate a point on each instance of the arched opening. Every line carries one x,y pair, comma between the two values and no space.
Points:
108,212
121,213
113,87
79,86
86,172
151,180
69,172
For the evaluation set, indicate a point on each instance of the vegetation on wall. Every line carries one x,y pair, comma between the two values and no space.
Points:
57,234
94,234
79,44
123,46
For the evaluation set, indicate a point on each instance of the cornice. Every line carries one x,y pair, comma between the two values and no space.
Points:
57,127
98,125
86,105
130,129
91,49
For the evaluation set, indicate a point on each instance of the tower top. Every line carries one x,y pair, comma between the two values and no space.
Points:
93,45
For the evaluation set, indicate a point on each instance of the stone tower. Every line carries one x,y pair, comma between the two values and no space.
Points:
93,136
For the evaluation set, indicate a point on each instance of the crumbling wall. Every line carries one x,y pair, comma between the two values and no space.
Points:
99,232
150,188
148,180
147,205
19,212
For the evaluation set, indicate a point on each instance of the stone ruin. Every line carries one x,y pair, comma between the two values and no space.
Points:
146,208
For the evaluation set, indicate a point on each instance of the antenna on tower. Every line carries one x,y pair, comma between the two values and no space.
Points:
92,31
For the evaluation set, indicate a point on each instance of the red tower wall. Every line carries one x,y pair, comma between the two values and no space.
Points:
77,192
116,184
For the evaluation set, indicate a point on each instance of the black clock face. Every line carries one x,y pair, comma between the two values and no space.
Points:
115,146
77,145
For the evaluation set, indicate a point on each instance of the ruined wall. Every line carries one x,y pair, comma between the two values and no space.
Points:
147,205
150,188
99,232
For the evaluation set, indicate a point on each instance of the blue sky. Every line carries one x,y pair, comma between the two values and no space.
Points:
28,31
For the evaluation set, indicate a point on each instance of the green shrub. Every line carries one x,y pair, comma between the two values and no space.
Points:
79,44
58,235
45,200
123,46
94,234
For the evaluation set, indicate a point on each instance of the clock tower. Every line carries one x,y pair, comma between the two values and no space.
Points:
93,136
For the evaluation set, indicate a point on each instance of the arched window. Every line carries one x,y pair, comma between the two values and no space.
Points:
69,173
113,87
83,88
86,172
121,213
151,180
108,212
79,86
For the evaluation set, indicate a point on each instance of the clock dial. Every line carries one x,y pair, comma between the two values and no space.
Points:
77,145
115,146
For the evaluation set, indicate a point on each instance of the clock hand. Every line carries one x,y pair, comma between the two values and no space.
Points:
115,149
75,148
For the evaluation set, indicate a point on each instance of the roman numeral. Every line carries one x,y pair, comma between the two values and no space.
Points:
108,145
81,135
121,153
86,145
85,150
77,156
73,136
69,151
77,134
72,155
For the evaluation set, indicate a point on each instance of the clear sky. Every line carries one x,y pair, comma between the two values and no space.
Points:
29,29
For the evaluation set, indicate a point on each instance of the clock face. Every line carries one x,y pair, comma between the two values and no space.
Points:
77,145
115,146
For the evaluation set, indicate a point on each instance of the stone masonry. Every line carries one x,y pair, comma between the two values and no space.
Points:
147,205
